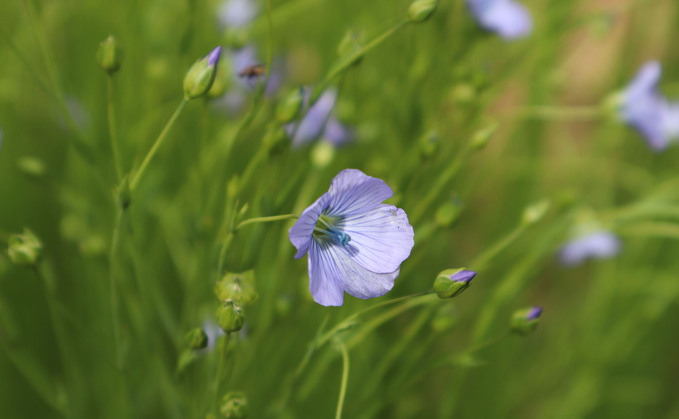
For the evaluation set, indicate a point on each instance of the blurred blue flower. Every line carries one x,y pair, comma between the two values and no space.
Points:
534,313
355,243
507,18
237,13
597,245
318,121
647,110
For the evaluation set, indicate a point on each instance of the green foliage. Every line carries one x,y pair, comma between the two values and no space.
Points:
498,152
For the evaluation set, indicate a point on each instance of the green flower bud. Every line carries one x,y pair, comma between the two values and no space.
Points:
421,10
289,108
24,249
535,212
452,282
429,143
109,55
230,317
31,166
234,405
447,213
185,359
201,75
221,83
237,287
482,136
463,93
196,339
526,320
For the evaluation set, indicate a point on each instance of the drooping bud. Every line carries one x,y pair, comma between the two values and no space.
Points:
234,405
201,75
109,55
238,287
289,108
452,282
24,249
526,320
196,339
230,317
421,10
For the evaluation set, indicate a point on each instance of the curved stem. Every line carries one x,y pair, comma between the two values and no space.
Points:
345,379
154,149
267,219
113,135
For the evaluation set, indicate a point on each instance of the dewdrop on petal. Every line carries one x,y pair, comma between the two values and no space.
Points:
24,249
526,320
234,405
109,55
230,317
421,10
453,282
201,75
196,339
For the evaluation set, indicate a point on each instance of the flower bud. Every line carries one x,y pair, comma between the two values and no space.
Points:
109,55
289,108
234,405
526,320
452,282
420,10
201,75
322,154
237,287
429,143
24,249
482,136
31,166
230,317
534,213
448,212
196,339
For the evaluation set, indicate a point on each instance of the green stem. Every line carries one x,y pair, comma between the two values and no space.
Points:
351,59
555,113
481,260
345,379
154,149
113,288
112,129
220,367
267,219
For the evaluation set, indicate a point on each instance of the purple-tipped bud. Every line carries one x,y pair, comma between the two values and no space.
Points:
452,282
526,320
213,56
201,75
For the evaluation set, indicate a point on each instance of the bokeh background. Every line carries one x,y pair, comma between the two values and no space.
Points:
96,328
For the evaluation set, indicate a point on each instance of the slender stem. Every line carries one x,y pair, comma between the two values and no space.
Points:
113,134
481,260
156,145
220,367
267,219
551,113
113,288
345,379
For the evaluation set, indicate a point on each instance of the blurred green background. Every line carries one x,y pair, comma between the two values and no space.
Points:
97,328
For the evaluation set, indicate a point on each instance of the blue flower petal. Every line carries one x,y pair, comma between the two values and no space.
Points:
333,270
301,232
381,239
311,126
336,133
598,245
353,192
509,19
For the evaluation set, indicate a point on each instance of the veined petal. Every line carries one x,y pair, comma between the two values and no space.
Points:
381,239
353,192
324,284
340,267
301,232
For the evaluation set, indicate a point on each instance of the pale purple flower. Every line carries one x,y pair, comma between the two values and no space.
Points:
597,245
237,13
647,110
318,121
508,18
465,276
534,313
354,242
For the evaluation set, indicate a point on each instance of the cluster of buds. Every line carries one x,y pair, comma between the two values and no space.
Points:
234,290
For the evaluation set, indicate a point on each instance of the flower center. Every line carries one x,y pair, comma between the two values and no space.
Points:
326,229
